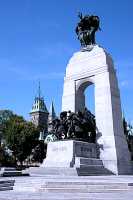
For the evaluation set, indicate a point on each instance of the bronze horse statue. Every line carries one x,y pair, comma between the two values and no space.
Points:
86,29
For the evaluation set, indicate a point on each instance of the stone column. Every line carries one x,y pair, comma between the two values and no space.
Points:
113,146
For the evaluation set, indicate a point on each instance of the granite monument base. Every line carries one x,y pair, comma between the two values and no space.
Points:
71,158
67,153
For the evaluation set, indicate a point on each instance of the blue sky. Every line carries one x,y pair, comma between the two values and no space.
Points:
37,39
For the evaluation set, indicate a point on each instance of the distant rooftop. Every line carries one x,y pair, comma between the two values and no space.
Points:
39,104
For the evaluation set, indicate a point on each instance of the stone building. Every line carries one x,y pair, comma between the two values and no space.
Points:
39,113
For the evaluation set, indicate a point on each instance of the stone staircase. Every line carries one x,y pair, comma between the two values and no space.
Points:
90,167
29,184
75,185
84,187
6,185
11,171
82,167
69,188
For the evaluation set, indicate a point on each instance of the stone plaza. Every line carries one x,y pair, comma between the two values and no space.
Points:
83,188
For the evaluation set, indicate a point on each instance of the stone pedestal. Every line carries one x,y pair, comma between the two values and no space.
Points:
65,153
70,158
96,67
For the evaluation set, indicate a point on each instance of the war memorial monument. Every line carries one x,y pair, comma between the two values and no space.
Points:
84,145
108,154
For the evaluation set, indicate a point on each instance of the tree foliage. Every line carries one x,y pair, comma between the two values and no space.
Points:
4,116
39,152
20,136
128,131
6,159
125,127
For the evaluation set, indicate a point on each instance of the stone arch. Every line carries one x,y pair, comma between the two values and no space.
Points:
96,66
81,86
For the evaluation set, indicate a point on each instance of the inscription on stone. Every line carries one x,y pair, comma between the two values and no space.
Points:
59,149
86,149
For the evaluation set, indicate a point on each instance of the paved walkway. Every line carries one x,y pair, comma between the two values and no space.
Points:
11,195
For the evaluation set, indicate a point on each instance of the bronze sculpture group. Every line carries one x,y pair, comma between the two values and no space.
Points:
80,125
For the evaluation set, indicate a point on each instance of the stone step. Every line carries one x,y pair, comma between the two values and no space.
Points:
110,180
67,189
6,185
8,169
88,161
92,170
52,171
89,190
7,181
65,196
69,185
83,170
69,181
6,188
85,184
13,173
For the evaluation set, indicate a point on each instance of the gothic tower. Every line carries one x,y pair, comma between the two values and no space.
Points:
39,112
52,114
51,117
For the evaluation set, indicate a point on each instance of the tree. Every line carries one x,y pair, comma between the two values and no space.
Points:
20,136
39,152
4,116
6,158
128,131
125,127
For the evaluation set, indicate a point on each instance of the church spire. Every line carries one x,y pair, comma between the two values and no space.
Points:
52,114
39,104
51,117
39,90
52,110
